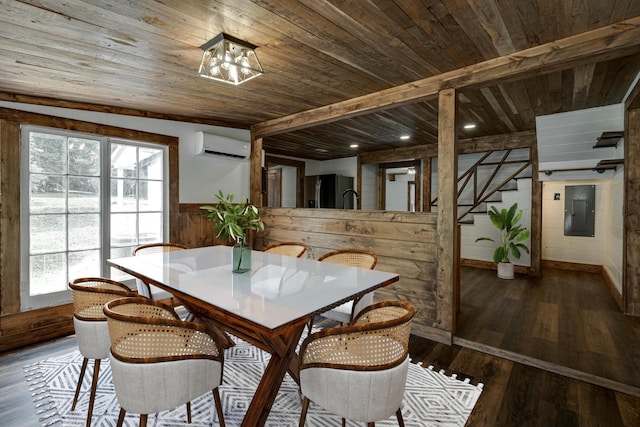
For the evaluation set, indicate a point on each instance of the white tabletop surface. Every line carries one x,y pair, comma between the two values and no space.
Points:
277,290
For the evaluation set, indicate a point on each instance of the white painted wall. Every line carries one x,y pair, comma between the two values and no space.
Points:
397,193
288,194
558,247
200,177
483,227
347,166
369,186
613,228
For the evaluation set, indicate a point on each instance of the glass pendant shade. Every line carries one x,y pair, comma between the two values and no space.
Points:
229,60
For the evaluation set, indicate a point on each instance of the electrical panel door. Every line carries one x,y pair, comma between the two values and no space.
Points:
579,210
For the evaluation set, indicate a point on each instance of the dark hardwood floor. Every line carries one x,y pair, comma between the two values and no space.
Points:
564,321
567,323
565,318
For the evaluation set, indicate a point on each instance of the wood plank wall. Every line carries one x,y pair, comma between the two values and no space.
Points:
192,229
404,242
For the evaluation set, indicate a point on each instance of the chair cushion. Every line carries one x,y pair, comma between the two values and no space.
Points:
366,396
147,388
93,338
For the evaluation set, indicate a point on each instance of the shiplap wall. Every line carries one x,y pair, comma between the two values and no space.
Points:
566,140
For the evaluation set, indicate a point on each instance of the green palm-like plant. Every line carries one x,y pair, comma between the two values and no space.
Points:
232,220
512,234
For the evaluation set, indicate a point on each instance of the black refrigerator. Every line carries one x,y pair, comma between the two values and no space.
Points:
326,191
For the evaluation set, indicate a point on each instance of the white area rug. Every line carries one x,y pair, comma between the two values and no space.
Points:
431,398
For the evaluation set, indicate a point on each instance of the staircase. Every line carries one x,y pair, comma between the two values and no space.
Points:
486,178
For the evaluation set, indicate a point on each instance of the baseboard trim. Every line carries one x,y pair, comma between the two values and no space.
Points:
431,333
572,266
611,284
488,265
549,367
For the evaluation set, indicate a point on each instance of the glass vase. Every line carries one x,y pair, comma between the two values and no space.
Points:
241,256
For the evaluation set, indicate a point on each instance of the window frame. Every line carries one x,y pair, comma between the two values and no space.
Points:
62,297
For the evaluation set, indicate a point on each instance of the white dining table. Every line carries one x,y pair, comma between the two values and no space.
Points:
267,306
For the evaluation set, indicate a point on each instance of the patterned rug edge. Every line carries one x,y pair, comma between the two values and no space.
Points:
463,393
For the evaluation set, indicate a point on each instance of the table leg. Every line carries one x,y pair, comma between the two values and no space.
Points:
282,354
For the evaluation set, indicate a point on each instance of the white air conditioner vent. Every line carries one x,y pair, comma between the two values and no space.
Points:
215,145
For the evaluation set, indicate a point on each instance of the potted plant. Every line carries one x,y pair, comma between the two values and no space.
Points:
231,221
512,236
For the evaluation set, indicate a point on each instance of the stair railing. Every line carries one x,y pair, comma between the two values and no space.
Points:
487,190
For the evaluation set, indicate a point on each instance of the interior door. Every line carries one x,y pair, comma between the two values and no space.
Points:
274,188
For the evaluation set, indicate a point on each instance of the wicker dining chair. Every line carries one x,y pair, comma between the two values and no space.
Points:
89,295
354,258
294,249
146,289
359,371
159,361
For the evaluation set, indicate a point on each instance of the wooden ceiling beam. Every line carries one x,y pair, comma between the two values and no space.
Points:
465,146
612,41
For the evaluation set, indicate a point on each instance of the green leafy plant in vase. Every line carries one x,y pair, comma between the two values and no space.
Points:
232,221
512,238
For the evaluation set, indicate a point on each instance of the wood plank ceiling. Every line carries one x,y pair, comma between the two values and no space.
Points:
143,55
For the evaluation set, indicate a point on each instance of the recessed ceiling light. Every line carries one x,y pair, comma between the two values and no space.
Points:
470,126
405,137
321,150
354,146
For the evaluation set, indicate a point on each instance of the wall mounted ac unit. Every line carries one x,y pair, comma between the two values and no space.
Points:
214,145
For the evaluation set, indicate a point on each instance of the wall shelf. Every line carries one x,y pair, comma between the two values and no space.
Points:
611,164
609,139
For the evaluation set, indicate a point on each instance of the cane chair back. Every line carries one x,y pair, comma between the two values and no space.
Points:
354,258
146,289
351,257
154,248
89,295
294,249
368,357
148,340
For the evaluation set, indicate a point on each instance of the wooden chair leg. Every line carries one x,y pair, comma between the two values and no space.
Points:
94,386
303,413
143,420
399,417
79,386
216,399
371,424
121,417
189,412
344,422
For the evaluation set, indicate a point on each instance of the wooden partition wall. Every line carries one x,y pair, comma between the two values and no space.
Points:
404,242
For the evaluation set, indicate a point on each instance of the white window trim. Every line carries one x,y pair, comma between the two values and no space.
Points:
57,298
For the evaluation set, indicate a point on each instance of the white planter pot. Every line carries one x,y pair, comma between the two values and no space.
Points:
505,270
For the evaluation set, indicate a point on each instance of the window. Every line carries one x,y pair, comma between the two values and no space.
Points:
88,198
